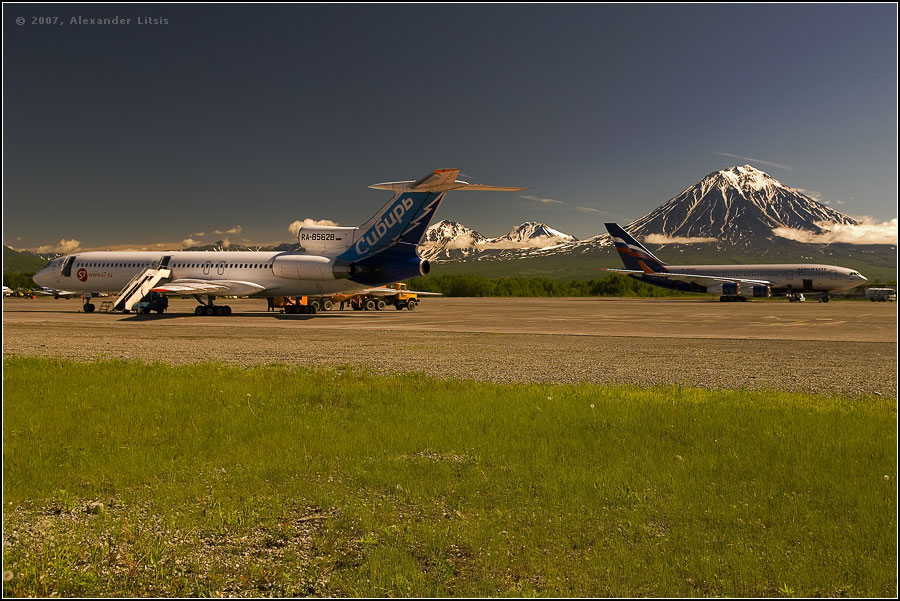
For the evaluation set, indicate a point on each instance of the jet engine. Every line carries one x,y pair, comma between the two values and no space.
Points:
757,291
725,289
310,267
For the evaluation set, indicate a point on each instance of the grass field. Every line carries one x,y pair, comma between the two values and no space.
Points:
123,478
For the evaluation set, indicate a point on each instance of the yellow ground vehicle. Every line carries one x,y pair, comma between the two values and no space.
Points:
374,299
405,298
300,304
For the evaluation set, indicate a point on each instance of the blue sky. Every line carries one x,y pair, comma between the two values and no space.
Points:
213,117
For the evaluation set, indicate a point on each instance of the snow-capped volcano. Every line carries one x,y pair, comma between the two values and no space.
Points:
533,234
738,205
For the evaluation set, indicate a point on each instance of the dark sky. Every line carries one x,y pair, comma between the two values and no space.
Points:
218,116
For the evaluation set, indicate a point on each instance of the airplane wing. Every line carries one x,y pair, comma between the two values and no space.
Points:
691,277
186,287
384,291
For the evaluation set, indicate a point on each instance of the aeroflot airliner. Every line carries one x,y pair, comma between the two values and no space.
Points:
731,282
331,259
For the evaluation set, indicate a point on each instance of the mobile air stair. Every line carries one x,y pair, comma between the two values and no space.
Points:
139,287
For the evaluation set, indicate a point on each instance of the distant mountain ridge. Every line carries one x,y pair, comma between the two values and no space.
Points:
736,207
448,240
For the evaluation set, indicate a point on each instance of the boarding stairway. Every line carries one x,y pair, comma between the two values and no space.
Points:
139,287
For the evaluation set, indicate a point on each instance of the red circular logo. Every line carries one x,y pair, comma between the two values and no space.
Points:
82,274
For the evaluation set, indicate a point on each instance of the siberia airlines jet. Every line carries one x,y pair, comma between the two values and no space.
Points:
731,282
331,260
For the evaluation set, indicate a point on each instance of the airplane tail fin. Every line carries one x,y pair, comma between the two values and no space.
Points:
404,219
385,248
632,252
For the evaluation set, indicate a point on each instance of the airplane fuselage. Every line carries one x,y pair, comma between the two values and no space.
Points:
783,278
110,271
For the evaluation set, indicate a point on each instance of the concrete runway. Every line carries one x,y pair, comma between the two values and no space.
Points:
838,347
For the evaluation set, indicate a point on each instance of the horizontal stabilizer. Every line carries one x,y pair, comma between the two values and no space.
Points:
440,181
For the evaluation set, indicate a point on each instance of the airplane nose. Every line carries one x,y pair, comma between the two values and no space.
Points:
41,277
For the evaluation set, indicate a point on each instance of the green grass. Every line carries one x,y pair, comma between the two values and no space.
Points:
284,481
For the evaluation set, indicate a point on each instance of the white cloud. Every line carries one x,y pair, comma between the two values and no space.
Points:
760,161
546,201
661,239
197,234
594,211
816,196
187,242
235,230
64,247
867,232
294,227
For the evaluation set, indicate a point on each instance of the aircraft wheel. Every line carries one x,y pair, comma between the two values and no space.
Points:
198,310
209,310
219,310
410,306
825,299
89,308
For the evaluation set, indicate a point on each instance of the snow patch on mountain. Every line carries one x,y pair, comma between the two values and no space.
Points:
449,240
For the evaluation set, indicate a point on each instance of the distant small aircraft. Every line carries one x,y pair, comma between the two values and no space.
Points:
731,282
331,260
7,291
55,293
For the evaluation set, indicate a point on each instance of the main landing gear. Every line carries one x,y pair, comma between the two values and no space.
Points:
208,308
300,309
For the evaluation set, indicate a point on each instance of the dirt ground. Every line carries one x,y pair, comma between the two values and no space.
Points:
838,347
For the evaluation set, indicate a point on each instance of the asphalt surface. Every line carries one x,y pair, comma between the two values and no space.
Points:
836,348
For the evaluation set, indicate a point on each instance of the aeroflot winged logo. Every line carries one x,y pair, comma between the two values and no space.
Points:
386,222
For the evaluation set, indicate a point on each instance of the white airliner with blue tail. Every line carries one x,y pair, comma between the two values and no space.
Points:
731,282
331,259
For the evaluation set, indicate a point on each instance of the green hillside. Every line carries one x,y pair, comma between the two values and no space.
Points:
17,262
